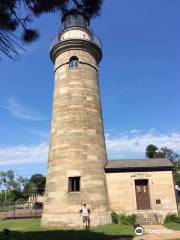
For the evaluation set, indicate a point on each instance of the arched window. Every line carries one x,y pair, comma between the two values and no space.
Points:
73,62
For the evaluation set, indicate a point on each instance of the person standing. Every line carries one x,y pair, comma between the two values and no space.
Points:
85,211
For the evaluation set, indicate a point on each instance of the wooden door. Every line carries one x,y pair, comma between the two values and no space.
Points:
142,194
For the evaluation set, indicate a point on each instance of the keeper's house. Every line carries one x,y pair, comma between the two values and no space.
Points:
141,187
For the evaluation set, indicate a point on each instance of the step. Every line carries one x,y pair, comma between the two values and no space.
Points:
149,219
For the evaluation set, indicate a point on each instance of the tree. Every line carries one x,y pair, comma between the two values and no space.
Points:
11,186
11,182
36,184
171,155
29,189
16,14
39,180
177,178
14,188
22,182
2,179
7,180
175,159
151,151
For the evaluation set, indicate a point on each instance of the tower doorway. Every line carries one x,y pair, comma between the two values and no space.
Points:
142,194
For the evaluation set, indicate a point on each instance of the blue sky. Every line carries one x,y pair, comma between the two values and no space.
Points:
139,81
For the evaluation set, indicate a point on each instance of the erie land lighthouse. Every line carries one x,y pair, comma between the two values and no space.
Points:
77,152
78,168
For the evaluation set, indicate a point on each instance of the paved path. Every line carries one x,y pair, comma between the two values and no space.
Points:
158,232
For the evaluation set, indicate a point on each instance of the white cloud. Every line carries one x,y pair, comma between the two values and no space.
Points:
127,144
22,111
134,131
24,154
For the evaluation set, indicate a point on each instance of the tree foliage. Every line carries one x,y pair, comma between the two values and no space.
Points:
171,155
16,17
36,184
11,186
29,189
152,151
177,177
17,187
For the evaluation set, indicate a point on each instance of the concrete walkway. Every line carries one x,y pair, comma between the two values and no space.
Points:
158,232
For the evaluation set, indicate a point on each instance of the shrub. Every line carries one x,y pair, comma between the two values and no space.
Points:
172,218
127,220
20,201
115,217
123,219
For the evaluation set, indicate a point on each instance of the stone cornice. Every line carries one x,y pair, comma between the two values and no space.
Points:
76,44
81,62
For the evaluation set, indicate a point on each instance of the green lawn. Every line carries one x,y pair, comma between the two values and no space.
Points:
172,225
173,221
30,229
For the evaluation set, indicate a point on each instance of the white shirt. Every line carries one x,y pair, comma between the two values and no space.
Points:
85,211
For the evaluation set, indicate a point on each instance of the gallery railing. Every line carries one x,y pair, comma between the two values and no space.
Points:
93,38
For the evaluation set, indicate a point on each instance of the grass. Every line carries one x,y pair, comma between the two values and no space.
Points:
172,225
172,221
6,208
123,219
30,229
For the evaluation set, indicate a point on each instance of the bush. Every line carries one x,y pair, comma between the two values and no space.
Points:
127,220
172,218
115,218
20,201
123,219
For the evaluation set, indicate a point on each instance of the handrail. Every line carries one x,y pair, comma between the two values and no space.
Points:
93,38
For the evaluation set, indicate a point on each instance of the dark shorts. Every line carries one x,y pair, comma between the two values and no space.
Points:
86,219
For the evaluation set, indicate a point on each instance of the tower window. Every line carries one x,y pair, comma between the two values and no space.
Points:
73,62
74,184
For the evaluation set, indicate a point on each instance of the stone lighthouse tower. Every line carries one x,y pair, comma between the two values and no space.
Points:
77,151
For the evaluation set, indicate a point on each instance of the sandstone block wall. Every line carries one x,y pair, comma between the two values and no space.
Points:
77,145
121,188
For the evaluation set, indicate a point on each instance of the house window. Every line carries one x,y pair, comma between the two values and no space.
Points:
73,62
158,201
74,184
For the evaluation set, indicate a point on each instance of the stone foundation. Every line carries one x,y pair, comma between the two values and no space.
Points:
74,220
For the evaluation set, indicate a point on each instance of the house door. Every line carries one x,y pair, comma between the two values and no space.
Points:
142,194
